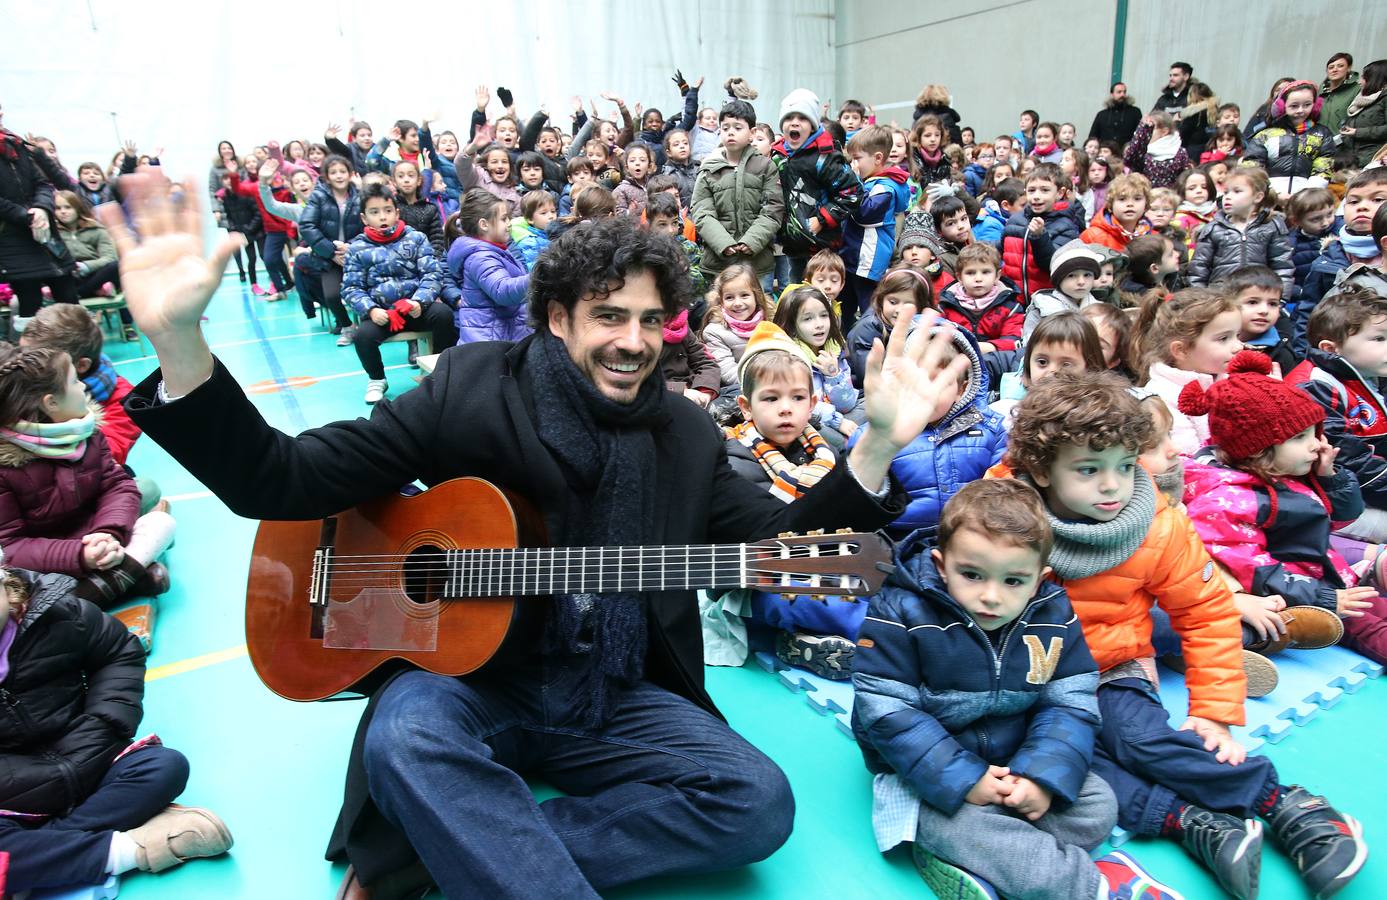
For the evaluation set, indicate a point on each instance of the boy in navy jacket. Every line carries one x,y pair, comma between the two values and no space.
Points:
976,708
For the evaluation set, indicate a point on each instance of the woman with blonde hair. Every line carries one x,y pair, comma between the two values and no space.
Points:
934,100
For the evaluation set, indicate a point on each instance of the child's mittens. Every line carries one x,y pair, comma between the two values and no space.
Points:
397,314
505,96
678,79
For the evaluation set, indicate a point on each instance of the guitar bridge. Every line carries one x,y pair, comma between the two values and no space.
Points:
320,581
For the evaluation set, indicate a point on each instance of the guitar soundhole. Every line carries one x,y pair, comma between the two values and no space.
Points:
424,574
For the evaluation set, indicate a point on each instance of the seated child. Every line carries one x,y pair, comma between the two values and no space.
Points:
961,442
982,756
1262,498
1038,230
1110,273
950,221
1161,458
687,367
1006,199
1246,231
1356,257
981,303
1257,291
1073,269
1153,262
776,447
1189,337
1309,218
897,287
826,272
1160,213
1120,549
662,215
79,801
738,306
529,234
1197,205
1114,336
493,282
1123,216
1347,356
393,280
919,248
66,507
1064,342
807,317
531,167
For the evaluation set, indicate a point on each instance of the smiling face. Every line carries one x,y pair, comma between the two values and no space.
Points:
301,183
531,176
548,143
1297,455
708,119
1067,134
1337,69
781,405
507,134
364,138
739,299
316,155
1044,137
92,179
992,580
1089,485
1215,346
339,176
497,164
898,148
1260,307
447,144
1041,195
1299,103
615,341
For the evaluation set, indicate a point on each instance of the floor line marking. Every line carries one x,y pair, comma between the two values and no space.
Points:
225,344
291,402
194,663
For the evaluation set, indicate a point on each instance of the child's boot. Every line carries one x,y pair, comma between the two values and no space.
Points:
1261,673
1307,628
1229,847
826,655
106,587
1326,846
178,834
1123,879
949,882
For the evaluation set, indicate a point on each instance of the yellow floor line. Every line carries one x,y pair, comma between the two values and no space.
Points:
195,662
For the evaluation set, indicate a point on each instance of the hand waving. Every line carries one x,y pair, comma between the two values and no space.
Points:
483,97
167,279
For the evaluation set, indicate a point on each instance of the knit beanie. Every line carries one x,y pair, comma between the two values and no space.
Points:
802,101
1249,411
770,336
1074,256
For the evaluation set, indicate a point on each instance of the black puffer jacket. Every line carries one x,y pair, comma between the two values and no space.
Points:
22,187
71,701
948,116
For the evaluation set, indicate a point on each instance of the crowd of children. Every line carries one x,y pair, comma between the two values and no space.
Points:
1168,440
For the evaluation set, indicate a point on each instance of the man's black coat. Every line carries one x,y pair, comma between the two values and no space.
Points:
474,417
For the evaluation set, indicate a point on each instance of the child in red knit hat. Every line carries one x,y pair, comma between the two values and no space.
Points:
1264,497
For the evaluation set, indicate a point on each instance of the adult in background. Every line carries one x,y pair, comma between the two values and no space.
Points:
1338,89
1176,95
1365,129
28,228
610,704
1118,118
934,100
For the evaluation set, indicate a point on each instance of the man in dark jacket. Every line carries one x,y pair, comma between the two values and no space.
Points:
1176,95
610,458
1118,118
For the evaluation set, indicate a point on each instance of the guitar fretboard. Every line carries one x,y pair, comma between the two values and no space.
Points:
577,570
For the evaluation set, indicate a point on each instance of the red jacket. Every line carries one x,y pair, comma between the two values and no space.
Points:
998,324
272,222
120,433
46,506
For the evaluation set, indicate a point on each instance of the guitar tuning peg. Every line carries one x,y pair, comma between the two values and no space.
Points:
815,532
786,534
843,531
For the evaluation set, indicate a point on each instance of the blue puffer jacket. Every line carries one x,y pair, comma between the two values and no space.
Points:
1305,249
973,177
494,285
321,219
957,449
990,224
380,274
1323,271
937,703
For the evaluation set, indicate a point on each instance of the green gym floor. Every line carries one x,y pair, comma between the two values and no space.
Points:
273,769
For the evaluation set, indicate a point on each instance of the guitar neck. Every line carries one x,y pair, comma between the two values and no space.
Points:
529,571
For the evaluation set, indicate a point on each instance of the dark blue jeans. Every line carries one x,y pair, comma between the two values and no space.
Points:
664,787
1149,765
72,850
310,269
273,256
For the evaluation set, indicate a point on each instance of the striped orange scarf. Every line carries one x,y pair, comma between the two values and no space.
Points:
788,481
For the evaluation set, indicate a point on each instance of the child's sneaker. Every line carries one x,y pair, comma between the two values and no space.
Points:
375,390
1230,847
346,336
257,290
949,882
1262,676
129,333
178,834
1126,880
826,655
1326,846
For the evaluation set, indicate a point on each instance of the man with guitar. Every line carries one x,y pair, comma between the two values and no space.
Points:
607,701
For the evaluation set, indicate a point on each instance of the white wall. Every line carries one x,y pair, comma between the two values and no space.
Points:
186,73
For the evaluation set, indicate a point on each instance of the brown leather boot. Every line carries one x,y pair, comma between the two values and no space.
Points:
106,588
1307,628
153,583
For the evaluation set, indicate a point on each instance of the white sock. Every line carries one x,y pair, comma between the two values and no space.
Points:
121,857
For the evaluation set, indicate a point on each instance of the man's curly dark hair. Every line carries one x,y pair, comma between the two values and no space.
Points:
593,258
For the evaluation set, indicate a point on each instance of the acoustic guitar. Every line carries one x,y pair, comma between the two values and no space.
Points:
329,602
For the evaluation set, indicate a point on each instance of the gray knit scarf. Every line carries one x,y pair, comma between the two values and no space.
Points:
1088,548
607,452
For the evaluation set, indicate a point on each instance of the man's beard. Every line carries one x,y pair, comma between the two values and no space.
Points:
1114,102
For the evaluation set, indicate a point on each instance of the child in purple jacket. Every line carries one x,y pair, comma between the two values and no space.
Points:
493,282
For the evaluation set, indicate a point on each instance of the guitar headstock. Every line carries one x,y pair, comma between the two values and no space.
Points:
818,565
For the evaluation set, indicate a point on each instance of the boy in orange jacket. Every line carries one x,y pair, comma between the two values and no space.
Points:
1118,549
